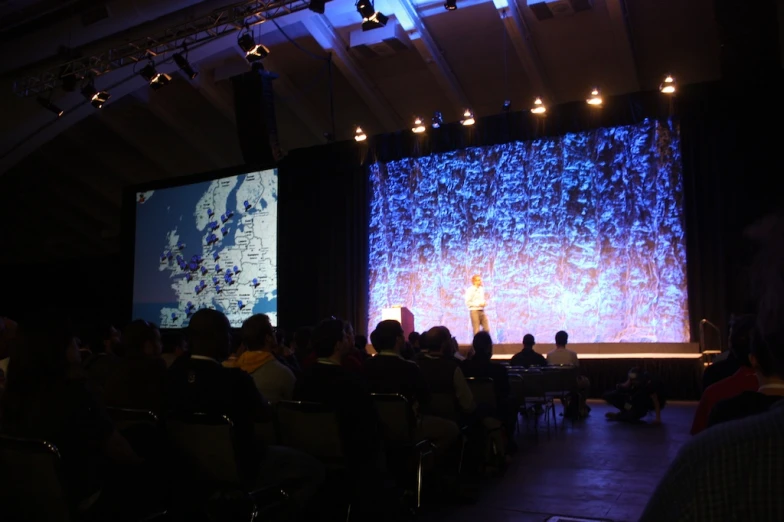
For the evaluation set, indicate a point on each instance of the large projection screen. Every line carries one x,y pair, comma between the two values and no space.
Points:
583,232
211,244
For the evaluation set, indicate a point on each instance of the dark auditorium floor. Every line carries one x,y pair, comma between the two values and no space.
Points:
593,469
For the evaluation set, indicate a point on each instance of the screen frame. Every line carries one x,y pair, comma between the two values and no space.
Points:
128,223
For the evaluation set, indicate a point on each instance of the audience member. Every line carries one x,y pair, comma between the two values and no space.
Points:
360,343
273,379
197,382
561,355
353,359
106,347
138,380
527,357
745,379
414,338
636,397
442,371
724,365
174,345
300,345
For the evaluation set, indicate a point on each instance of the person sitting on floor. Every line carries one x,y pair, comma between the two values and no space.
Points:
527,357
636,397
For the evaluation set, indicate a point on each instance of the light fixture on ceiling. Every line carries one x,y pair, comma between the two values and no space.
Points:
506,106
371,19
450,5
539,106
595,99
48,105
253,51
95,97
668,85
359,134
185,66
419,126
438,120
468,118
153,77
317,6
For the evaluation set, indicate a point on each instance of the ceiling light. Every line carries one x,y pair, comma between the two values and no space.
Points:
507,105
95,97
371,19
48,105
595,99
359,134
468,118
539,107
155,79
317,6
253,51
668,85
184,66
419,126
438,120
365,8
450,5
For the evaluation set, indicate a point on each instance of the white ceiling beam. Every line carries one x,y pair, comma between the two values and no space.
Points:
413,23
622,39
329,40
523,44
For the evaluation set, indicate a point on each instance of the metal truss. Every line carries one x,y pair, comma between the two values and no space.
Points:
190,35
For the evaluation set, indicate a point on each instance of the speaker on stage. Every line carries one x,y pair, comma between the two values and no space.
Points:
254,108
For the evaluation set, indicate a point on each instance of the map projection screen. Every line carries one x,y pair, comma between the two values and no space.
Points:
207,245
583,232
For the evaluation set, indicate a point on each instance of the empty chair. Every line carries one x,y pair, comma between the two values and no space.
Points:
312,428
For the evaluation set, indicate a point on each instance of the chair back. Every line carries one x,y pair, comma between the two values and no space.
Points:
534,385
312,428
397,418
31,486
126,418
443,405
483,390
206,442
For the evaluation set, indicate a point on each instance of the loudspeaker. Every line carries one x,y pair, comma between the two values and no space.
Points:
254,108
749,37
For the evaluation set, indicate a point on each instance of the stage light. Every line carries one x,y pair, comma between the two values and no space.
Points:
48,105
468,118
185,66
365,8
438,120
539,107
595,99
155,79
371,19
450,5
507,105
317,6
419,126
359,134
95,97
668,85
253,51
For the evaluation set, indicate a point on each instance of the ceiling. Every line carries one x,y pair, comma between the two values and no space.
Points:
74,168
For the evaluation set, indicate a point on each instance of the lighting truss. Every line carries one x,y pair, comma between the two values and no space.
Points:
192,34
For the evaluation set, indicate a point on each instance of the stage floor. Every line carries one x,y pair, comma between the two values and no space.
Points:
595,350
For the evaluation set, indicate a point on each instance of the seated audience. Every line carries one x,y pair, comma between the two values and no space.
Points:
745,379
414,338
636,397
138,380
197,382
561,355
771,388
442,372
360,343
174,345
724,365
106,347
353,359
300,346
42,402
527,357
273,379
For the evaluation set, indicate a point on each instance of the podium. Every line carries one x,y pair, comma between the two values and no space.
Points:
402,315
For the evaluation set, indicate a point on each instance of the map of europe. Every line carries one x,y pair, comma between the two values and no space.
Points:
207,245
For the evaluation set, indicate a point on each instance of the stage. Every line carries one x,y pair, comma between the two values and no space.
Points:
678,366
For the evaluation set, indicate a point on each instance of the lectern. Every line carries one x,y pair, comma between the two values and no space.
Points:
402,315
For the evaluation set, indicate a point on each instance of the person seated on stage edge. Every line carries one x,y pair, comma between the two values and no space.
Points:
388,372
561,355
636,397
745,379
771,387
527,357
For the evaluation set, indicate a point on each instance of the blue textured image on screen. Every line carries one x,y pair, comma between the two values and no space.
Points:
583,232
207,245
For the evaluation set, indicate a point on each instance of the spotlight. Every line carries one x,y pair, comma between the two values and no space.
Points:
468,118
668,85
438,120
595,99
371,19
253,51
365,8
359,134
419,126
450,5
155,79
507,105
95,97
539,107
48,105
317,6
184,66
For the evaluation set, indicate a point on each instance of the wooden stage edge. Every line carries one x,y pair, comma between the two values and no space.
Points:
608,350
